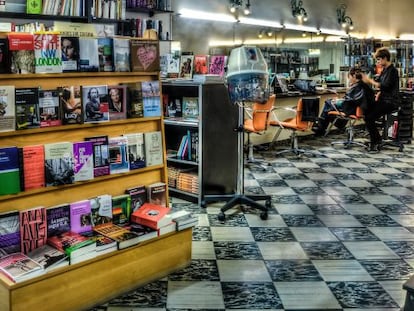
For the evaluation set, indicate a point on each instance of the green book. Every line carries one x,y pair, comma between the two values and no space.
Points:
34,6
9,170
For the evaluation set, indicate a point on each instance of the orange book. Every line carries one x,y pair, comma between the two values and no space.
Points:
33,167
151,215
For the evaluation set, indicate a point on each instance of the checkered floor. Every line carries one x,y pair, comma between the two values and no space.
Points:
339,236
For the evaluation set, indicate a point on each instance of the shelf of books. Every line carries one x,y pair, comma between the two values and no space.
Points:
74,142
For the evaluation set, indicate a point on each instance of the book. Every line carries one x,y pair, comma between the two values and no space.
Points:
47,52
95,103
70,53
59,164
88,54
49,257
124,237
27,108
121,209
135,106
136,150
80,216
190,107
144,55
33,167
105,50
186,67
104,244
121,54
33,228
71,104
101,209
100,155
83,160
34,6
217,64
19,267
144,232
49,109
117,98
151,98
4,55
21,47
157,193
9,170
73,244
58,219
118,155
9,233
151,215
173,66
193,223
138,196
168,228
153,148
7,108
201,64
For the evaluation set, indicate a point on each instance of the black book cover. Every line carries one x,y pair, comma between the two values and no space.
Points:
4,56
27,108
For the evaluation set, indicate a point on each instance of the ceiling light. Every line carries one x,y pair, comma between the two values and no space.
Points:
236,5
298,11
187,13
343,19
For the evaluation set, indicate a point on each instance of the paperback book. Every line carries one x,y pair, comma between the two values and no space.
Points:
59,164
27,108
33,228
58,219
144,232
135,106
100,155
101,209
9,233
151,99
49,109
157,193
153,148
122,54
4,55
83,160
19,267
186,69
217,64
105,50
9,170
104,244
21,47
95,103
117,97
80,216
144,55
136,150
33,167
7,108
118,155
201,64
73,244
70,53
48,52
71,104
88,54
49,257
121,209
151,215
138,196
190,107
124,237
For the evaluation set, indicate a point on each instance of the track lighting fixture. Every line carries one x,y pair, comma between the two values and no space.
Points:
298,11
236,5
344,20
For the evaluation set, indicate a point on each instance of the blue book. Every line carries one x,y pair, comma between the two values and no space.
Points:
151,99
118,155
9,170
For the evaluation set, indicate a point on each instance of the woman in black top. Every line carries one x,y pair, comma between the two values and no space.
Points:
386,99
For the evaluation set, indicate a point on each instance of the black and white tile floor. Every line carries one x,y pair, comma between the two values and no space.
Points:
339,236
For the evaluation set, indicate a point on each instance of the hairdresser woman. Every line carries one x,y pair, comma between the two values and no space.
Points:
386,99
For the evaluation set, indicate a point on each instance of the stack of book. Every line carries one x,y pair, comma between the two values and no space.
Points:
19,267
183,219
188,181
153,216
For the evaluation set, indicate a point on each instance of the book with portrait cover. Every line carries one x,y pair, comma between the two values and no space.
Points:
21,47
121,209
151,215
136,150
9,170
95,103
135,107
173,65
19,267
49,257
105,50
101,209
59,164
49,109
100,155
27,108
186,66
70,53
138,196
48,52
9,233
121,235
88,54
58,219
121,54
80,216
217,64
117,98
33,167
153,148
144,55
118,155
201,64
7,109
151,99
83,160
71,104
33,228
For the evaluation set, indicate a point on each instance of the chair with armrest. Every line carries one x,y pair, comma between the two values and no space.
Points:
350,127
257,124
306,113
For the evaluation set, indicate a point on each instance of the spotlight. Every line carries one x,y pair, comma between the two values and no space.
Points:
344,20
236,5
298,11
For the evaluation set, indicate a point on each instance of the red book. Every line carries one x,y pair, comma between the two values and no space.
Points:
72,243
33,229
151,215
33,167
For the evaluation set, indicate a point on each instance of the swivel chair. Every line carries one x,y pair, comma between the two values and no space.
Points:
306,113
257,124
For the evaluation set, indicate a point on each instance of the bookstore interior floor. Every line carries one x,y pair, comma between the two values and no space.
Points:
340,236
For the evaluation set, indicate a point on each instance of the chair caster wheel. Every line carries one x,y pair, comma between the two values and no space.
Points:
400,149
221,216
203,204
268,204
263,216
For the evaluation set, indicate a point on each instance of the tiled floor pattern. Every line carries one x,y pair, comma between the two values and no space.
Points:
339,236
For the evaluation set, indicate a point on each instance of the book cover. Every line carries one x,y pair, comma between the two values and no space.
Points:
153,148
157,193
83,160
201,64
73,244
136,150
7,108
173,65
190,107
33,167
121,209
9,233
49,109
104,244
151,215
95,103
34,6
117,97
144,55
21,47
151,99
70,53
122,54
118,155
9,170
58,219
4,55
33,228
71,104
217,64
138,196
186,67
135,106
101,209
27,108
49,257
80,216
144,232
19,267
88,54
121,235
105,50
59,164
48,52
100,155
